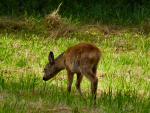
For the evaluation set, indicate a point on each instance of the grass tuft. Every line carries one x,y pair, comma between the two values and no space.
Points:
58,26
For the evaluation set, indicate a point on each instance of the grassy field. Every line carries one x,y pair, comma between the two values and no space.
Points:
124,75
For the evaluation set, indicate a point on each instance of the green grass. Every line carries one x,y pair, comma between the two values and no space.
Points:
124,88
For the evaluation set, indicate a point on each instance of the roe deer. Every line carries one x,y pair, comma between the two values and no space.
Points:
81,59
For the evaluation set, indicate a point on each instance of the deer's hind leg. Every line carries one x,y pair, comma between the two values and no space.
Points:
78,82
91,75
94,84
70,80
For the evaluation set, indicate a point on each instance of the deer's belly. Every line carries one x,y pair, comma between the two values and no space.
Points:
73,67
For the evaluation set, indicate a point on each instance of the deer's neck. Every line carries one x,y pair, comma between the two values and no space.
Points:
60,61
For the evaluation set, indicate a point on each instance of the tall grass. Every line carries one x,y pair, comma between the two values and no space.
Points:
125,86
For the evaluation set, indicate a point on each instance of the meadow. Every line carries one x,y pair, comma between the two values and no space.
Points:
123,72
30,29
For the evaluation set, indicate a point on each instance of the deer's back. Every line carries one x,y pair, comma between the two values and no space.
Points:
82,55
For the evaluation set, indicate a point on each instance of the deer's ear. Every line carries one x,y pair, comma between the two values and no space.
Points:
51,57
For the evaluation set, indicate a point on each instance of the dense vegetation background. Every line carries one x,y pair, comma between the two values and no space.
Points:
29,29
103,11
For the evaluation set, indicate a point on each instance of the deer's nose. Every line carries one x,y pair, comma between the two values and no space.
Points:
44,78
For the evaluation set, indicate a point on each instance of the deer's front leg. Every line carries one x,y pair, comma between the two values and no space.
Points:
70,80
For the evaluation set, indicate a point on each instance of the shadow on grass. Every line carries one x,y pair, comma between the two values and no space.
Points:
35,94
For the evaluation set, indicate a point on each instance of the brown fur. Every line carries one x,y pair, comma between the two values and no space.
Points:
81,59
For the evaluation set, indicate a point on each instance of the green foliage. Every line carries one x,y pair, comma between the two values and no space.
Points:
21,63
103,11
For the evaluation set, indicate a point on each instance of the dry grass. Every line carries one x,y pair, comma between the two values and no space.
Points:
145,29
58,26
15,25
